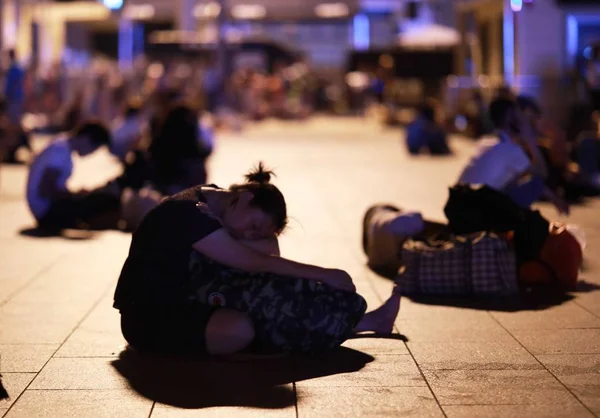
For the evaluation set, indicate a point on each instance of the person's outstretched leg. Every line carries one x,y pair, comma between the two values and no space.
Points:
381,320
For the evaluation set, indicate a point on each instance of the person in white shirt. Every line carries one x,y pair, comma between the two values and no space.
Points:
507,162
50,201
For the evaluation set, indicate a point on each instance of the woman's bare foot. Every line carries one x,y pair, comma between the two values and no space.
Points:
381,320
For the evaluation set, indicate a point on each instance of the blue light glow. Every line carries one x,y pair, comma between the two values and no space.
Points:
572,37
125,43
509,46
361,32
113,4
516,5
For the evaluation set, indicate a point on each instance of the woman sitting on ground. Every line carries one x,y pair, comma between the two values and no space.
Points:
207,238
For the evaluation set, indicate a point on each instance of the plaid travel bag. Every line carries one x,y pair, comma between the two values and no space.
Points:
479,264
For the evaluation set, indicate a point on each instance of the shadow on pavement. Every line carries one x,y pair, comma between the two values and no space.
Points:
400,337
201,383
70,234
530,301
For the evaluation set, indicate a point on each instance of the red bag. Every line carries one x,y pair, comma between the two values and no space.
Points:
559,261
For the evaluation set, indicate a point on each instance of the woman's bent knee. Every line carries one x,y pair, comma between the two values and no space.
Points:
228,332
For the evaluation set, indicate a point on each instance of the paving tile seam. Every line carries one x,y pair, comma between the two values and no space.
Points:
509,404
296,409
437,401
543,365
62,356
88,313
569,354
585,309
1,343
152,409
364,386
480,369
355,252
32,279
79,389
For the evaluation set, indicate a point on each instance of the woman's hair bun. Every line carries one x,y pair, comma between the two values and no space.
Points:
259,174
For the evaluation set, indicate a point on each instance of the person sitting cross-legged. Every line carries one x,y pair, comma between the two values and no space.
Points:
52,204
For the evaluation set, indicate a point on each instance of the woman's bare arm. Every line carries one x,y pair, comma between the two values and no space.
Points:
266,246
223,248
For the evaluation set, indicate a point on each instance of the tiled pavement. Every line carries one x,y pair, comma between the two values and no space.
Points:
60,342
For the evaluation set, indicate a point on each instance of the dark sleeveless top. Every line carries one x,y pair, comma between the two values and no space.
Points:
156,271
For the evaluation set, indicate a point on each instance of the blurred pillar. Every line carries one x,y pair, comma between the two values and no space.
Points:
126,43
138,39
51,36
540,60
222,53
11,14
185,19
495,45
52,18
461,51
1,24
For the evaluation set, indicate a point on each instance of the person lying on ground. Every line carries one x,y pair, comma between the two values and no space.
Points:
204,276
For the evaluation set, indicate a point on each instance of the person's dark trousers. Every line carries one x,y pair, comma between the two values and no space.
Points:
23,141
588,155
97,209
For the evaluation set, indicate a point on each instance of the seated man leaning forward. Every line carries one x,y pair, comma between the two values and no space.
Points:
50,201
507,161
208,238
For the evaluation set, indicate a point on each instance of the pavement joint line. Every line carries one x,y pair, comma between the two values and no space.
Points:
86,356
152,409
32,279
543,365
585,309
570,354
80,390
366,271
87,314
427,382
296,399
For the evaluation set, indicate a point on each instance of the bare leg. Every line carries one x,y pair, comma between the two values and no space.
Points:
228,332
381,320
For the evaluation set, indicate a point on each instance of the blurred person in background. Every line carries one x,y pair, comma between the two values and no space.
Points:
425,134
587,151
179,152
14,93
127,129
507,162
477,114
52,204
552,153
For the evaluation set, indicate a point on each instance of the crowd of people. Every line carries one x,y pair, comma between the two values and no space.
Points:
204,274
136,113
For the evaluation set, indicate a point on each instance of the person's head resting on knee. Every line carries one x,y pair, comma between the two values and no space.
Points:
256,209
88,137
